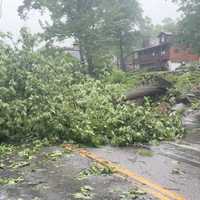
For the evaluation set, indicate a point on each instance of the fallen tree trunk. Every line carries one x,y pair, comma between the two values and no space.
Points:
145,91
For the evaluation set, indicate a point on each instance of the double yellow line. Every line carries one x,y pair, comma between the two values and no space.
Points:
150,187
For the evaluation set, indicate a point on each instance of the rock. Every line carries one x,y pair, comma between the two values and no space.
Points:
179,107
191,119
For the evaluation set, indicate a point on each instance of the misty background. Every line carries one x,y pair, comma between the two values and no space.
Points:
157,10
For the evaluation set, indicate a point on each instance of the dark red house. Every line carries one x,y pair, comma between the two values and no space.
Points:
166,54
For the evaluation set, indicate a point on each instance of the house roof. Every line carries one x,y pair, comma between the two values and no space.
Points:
151,47
154,46
165,33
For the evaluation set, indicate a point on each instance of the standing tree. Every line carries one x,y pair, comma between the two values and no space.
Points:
71,18
122,22
94,24
189,25
151,31
169,25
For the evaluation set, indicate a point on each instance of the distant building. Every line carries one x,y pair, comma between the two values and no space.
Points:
73,51
165,54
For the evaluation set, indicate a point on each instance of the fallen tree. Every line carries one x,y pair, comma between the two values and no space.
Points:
152,87
145,91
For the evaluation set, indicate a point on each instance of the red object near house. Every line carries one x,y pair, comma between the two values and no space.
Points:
163,55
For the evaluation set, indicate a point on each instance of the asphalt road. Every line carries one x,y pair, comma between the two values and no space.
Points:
175,166
170,168
59,179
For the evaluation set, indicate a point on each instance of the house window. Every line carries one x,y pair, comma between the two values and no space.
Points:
163,52
162,39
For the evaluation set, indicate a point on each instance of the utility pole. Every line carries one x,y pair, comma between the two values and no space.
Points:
1,8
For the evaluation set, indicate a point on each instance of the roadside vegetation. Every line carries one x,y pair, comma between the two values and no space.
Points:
46,94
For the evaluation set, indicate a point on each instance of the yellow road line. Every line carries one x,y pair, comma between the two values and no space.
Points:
154,189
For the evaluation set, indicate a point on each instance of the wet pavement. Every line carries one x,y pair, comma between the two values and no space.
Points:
174,165
58,179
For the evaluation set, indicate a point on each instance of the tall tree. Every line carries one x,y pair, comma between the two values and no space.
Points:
169,25
189,24
122,22
150,31
70,18
95,24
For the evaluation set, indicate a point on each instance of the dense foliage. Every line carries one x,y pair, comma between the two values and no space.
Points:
189,26
186,84
46,94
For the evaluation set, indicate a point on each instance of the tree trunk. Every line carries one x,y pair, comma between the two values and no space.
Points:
148,91
122,61
81,49
79,36
81,52
90,65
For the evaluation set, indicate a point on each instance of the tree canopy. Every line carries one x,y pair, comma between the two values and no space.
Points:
189,25
94,24
150,31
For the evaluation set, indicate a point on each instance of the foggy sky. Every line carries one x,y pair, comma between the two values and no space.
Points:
156,9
